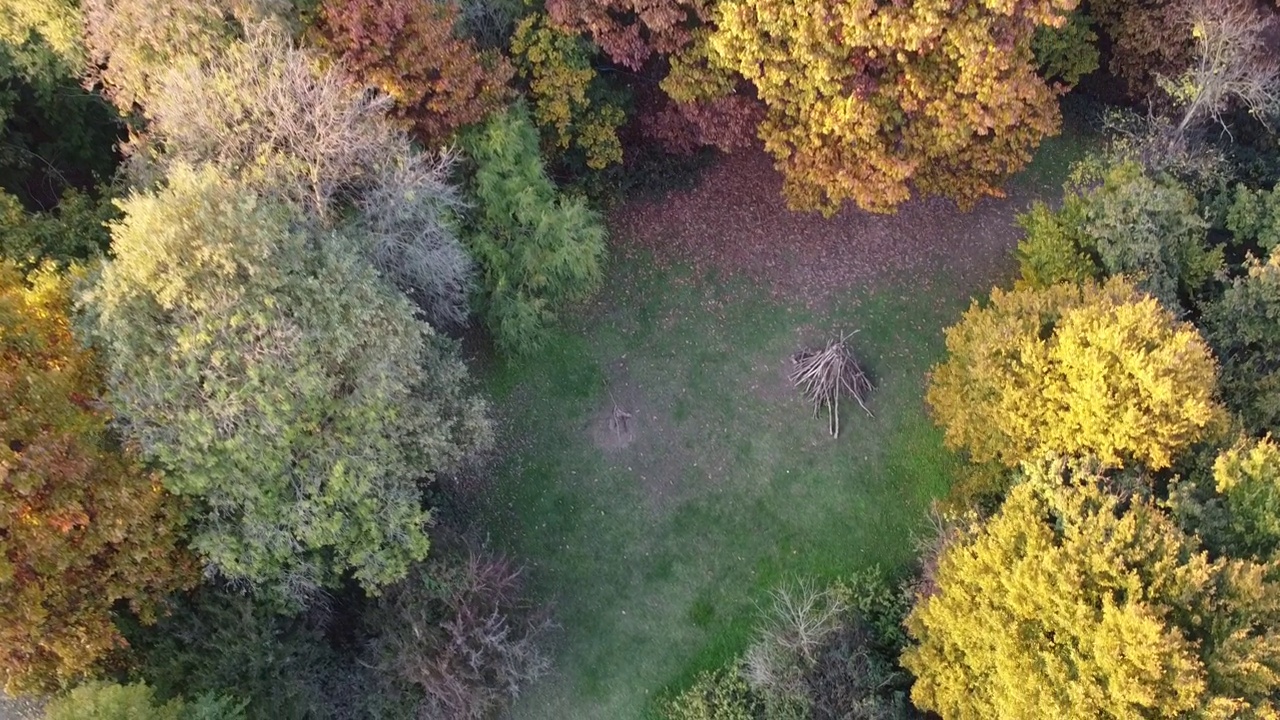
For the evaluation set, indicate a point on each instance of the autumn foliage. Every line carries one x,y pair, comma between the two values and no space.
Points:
1070,603
82,524
1074,370
408,49
866,100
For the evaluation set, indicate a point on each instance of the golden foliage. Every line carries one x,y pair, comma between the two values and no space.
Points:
558,68
1074,370
82,524
1071,604
867,99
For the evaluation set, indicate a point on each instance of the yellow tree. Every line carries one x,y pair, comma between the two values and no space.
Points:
82,524
1072,604
866,98
1074,370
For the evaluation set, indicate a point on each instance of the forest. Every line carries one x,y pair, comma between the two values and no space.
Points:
639,359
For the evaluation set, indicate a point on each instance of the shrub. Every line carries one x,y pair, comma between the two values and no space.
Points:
1243,326
287,390
1071,603
82,524
457,636
719,695
1097,370
407,49
568,105
270,116
536,250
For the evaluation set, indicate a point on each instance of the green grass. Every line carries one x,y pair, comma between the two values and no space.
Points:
652,586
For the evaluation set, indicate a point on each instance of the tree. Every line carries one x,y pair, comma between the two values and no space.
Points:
1071,603
1149,229
1248,479
53,134
1067,53
407,49
866,99
75,230
1150,39
286,389
131,43
457,637
1254,218
270,115
536,250
1074,370
1243,326
1235,63
82,524
568,105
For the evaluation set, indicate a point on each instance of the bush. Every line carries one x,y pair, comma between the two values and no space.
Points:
719,695
214,643
458,638
82,524
273,118
286,388
1243,326
1089,370
537,250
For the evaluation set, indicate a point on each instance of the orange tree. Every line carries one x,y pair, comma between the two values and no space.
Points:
408,49
82,524
866,99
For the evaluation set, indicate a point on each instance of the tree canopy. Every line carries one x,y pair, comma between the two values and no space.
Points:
285,387
82,523
1092,369
1071,603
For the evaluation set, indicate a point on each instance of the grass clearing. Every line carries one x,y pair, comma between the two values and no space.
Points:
656,541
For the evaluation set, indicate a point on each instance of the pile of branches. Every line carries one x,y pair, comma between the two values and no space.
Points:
824,375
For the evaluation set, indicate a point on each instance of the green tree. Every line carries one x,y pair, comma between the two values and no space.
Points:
1074,370
1254,217
82,524
1243,326
1149,229
74,230
536,250
288,390
1070,603
1067,53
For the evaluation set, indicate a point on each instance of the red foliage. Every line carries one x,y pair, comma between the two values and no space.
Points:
1149,39
408,49
631,31
728,123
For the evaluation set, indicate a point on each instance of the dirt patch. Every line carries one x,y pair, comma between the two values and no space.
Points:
645,442
736,222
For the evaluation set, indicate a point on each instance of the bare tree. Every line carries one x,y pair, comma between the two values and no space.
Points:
290,127
1236,63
